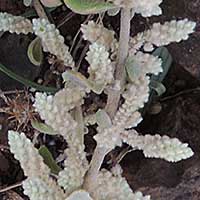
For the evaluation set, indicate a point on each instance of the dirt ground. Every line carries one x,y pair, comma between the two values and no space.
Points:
176,113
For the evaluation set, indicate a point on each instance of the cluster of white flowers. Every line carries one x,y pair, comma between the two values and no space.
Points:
109,137
52,41
36,188
163,34
156,146
118,188
15,24
144,63
55,115
101,68
145,7
72,176
39,184
135,96
55,109
23,150
97,33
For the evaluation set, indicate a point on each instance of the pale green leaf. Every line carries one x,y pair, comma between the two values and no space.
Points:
103,119
49,160
88,6
132,68
43,128
80,80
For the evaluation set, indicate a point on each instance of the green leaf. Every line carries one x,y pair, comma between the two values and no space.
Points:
35,53
158,87
132,68
49,160
88,6
78,79
103,119
42,127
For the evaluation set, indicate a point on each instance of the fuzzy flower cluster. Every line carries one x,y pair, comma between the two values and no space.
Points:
118,188
144,7
38,187
72,176
135,96
15,24
109,137
101,68
55,115
52,41
23,150
163,34
144,63
97,33
55,109
156,146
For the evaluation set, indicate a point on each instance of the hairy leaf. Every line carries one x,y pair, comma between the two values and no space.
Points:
89,6
43,128
103,119
49,160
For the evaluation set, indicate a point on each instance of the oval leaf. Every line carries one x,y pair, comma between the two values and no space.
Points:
86,7
43,128
35,53
80,80
49,160
103,119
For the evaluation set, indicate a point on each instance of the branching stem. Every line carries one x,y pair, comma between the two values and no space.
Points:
113,97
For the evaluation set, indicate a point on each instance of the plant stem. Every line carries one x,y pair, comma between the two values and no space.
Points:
114,95
113,98
39,9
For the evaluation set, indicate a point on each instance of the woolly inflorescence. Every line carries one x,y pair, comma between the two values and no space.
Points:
101,68
15,24
55,109
115,187
146,8
164,34
37,189
23,150
97,33
156,146
52,41
135,95
72,176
